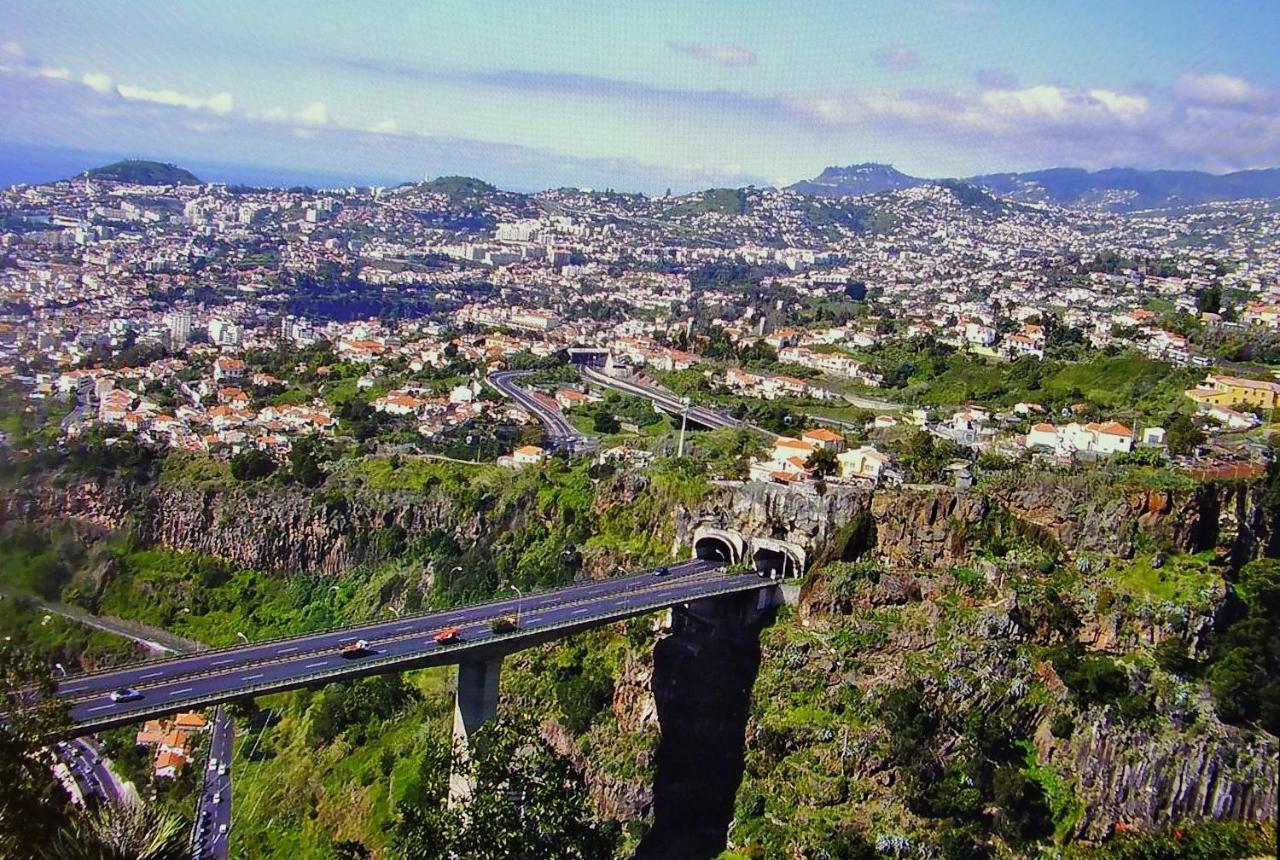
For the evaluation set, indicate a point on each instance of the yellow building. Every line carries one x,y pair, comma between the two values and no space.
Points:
1236,391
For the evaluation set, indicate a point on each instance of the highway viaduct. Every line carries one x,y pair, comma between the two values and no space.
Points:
712,588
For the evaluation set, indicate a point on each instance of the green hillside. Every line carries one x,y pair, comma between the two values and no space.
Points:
144,173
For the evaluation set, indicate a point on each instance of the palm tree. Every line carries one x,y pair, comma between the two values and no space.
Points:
124,831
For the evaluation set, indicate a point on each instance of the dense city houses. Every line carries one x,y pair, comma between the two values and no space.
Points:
143,306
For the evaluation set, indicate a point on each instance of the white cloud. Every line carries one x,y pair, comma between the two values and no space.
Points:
1126,107
315,114
12,49
720,53
98,81
387,126
218,103
60,73
1216,90
1213,125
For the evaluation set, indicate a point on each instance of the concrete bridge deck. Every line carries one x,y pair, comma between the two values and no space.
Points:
212,677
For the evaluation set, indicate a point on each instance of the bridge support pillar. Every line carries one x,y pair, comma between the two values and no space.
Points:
475,705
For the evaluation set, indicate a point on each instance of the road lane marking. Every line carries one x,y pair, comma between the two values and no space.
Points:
287,650
99,708
70,689
316,665
581,611
533,618
150,675
223,662
180,692
251,677
404,628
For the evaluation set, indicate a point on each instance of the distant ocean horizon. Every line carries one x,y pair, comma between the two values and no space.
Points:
30,164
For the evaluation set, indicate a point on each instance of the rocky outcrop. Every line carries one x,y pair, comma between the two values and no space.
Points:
274,527
927,528
266,527
809,515
1144,778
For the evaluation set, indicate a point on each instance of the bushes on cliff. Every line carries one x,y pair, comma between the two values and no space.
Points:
1204,840
980,772
528,801
344,705
1096,680
252,464
1245,657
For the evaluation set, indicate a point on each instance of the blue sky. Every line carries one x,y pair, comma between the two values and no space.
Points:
648,94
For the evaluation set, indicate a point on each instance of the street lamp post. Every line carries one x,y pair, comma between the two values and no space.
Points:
519,600
242,636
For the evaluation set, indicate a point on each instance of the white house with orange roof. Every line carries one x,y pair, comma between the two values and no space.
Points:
1105,438
821,437
787,457
527,455
863,463
228,370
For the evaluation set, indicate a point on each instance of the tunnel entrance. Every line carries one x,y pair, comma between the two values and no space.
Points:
773,564
717,544
713,549
777,559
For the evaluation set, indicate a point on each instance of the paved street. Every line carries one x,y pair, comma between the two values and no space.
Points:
216,676
213,808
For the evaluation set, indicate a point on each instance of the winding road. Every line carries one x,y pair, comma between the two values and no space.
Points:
560,433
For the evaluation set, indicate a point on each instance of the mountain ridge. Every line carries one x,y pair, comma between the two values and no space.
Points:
1116,187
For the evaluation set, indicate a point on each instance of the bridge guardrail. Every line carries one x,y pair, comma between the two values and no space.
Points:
356,625
212,670
735,584
284,637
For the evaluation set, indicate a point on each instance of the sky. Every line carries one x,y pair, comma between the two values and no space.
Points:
645,94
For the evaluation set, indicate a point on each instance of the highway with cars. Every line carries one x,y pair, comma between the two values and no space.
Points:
213,809
560,433
87,767
143,690
669,402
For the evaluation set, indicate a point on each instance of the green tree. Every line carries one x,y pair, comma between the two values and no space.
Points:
1183,436
252,464
304,461
527,801
33,804
823,462
605,422
1244,670
121,831
1022,814
1209,300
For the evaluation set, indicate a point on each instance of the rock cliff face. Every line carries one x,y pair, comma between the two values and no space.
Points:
925,528
801,514
265,527
279,528
1136,777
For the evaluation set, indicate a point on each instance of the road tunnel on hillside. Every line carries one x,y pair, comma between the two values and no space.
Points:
777,559
714,544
